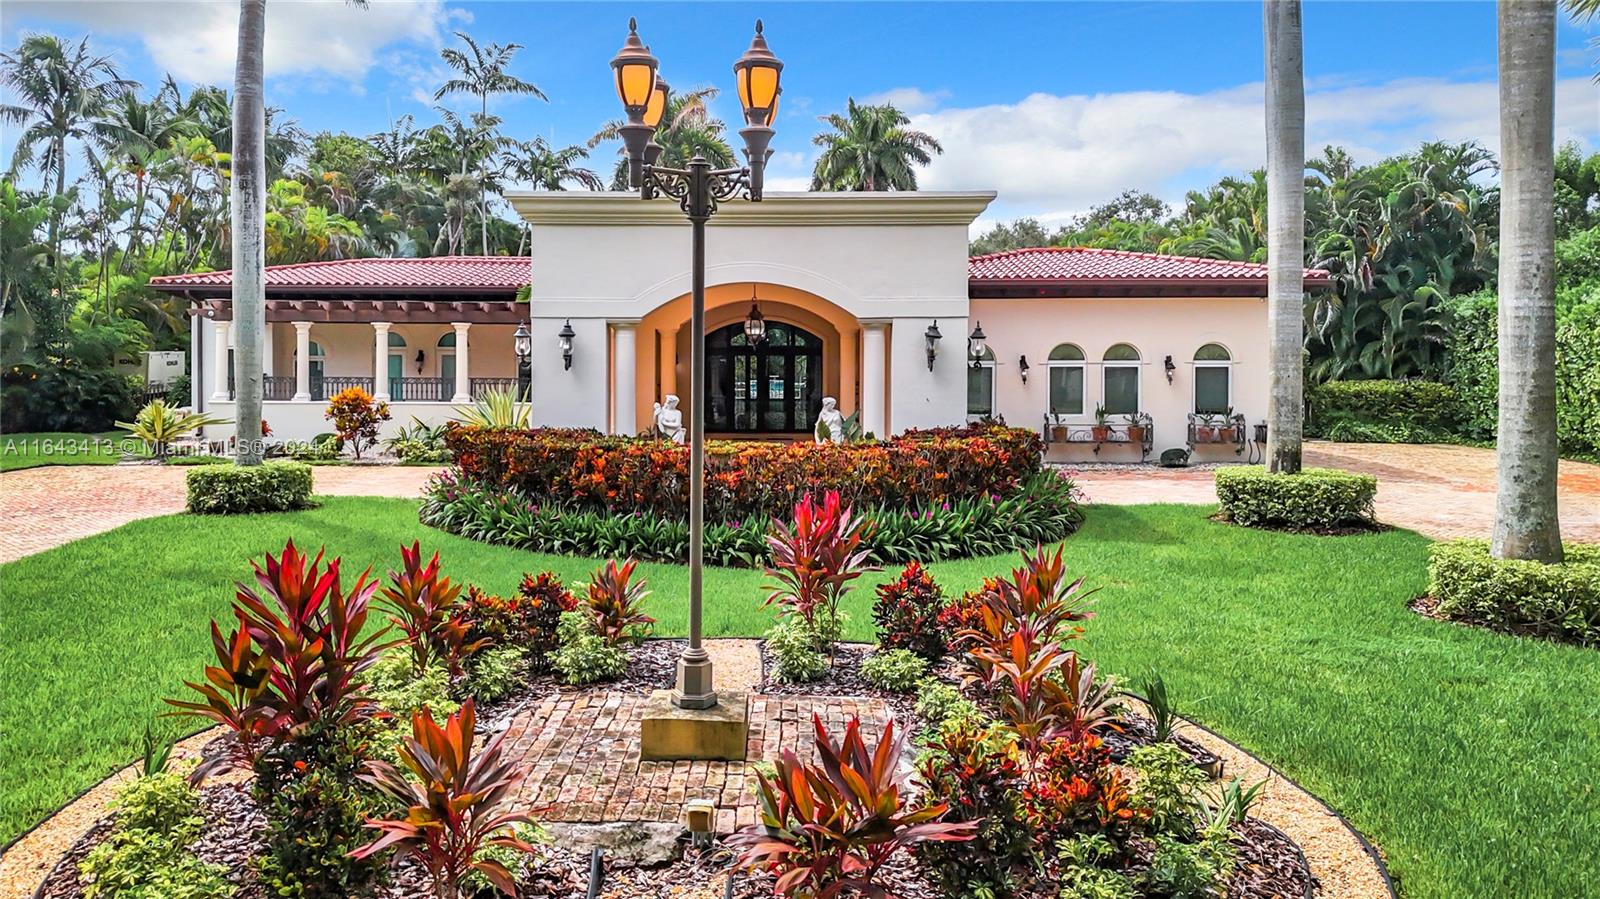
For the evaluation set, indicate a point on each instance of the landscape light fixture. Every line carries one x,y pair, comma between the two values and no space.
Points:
932,337
698,188
977,345
564,338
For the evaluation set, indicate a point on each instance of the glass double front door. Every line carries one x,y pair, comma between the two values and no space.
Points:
773,387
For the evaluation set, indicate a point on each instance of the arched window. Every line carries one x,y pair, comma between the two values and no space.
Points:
447,356
448,340
1213,380
1120,380
1064,371
396,339
980,386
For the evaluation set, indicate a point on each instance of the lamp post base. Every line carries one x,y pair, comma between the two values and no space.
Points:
693,688
718,733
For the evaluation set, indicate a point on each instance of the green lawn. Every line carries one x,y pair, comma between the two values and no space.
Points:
60,448
1471,758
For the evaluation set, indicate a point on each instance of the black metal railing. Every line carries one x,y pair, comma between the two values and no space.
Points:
1217,430
421,390
1136,430
277,387
326,388
481,386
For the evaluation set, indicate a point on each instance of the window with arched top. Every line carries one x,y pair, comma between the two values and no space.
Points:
1064,372
1119,380
448,339
396,339
980,386
1213,380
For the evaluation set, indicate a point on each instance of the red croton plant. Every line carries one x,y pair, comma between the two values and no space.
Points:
456,804
815,560
293,659
827,829
427,608
616,601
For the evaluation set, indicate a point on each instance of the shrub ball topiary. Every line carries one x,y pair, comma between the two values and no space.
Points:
235,489
1561,601
1316,499
906,612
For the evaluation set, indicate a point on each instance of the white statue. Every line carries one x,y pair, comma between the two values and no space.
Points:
669,421
830,423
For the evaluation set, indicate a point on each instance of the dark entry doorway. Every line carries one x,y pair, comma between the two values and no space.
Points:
774,387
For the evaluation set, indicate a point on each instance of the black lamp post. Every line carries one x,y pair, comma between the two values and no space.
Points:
522,345
698,188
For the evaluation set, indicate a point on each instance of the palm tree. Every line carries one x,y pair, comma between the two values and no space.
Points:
248,201
64,94
483,72
544,167
870,148
1525,520
688,129
1286,234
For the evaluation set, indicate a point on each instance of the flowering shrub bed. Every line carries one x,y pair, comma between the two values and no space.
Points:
1041,509
586,471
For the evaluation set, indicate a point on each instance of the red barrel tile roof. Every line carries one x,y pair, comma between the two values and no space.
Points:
470,273
1087,264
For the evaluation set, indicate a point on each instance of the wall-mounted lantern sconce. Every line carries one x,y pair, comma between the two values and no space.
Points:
564,336
976,344
932,337
420,357
1022,366
1170,368
522,346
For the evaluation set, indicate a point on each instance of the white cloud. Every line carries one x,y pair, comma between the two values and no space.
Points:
1051,155
907,99
196,40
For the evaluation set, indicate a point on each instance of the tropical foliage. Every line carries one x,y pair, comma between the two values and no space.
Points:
871,148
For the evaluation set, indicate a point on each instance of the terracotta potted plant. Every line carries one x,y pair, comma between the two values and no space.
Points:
1205,430
1229,431
1059,432
1135,430
1101,429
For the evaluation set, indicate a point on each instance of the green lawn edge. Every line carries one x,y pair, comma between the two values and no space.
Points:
1471,758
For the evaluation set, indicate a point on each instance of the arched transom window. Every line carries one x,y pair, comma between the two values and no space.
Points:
1120,380
1213,379
1064,370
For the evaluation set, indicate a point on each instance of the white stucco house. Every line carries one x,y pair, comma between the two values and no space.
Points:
851,287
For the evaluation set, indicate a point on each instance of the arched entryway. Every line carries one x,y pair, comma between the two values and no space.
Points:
773,387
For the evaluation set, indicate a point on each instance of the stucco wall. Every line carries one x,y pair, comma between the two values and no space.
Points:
1156,327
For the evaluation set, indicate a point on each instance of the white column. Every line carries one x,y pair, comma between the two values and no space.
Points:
624,391
874,360
463,365
219,334
302,362
380,365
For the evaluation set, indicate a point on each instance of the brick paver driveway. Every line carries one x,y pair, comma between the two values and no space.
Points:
1439,491
45,507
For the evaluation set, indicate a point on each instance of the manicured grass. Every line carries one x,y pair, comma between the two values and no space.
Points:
1471,758
61,448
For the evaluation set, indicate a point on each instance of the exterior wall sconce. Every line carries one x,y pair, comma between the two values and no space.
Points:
976,345
1170,368
755,325
564,337
932,337
421,356
522,346
1022,366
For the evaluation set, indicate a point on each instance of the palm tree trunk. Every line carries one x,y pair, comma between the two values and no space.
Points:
483,191
1525,522
249,229
1286,234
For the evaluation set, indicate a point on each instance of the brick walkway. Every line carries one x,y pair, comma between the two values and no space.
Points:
583,751
1438,491
45,507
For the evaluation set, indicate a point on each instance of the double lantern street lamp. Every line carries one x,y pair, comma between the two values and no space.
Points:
698,188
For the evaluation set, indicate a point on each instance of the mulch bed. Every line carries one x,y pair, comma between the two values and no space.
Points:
652,665
1428,607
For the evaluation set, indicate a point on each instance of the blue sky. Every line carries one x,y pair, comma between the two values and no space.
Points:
1056,105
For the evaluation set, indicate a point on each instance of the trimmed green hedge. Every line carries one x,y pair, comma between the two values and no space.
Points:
233,489
1314,499
1474,370
1561,601
1383,411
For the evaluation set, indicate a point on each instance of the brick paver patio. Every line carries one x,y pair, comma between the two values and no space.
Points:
45,507
583,755
1437,491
